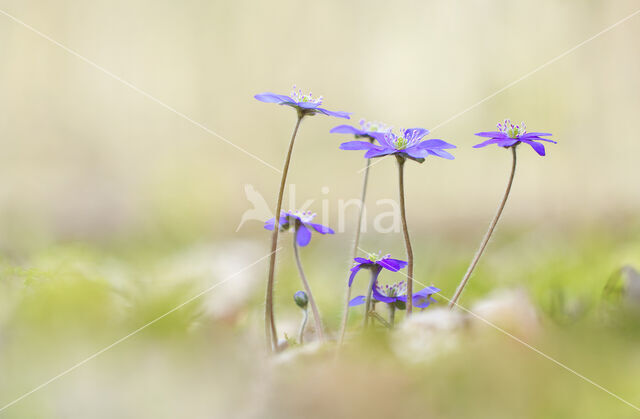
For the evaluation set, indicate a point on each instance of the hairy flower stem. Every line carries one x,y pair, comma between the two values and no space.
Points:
487,236
407,241
303,324
269,321
392,315
356,245
367,306
312,302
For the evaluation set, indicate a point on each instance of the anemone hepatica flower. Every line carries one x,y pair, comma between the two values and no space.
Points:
376,263
304,104
367,129
407,144
301,221
510,134
396,294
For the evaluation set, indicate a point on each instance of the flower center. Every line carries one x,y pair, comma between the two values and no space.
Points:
298,96
377,257
401,142
512,130
305,216
394,290
374,126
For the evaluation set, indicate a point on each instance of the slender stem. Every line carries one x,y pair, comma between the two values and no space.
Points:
303,324
487,236
356,244
312,302
269,319
405,230
392,314
375,271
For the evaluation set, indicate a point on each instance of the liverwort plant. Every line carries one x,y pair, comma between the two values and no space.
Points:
366,130
509,136
304,105
395,296
300,222
407,145
375,264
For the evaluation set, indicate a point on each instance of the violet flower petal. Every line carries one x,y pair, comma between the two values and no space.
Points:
273,98
357,145
354,271
539,148
534,134
337,114
303,235
359,300
488,142
380,297
435,143
376,151
307,105
441,153
321,229
490,134
415,133
347,129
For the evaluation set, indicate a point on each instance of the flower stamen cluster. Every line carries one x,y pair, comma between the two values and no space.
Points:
303,216
511,130
297,95
394,290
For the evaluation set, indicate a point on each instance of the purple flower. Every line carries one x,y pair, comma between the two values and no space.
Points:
510,135
397,294
367,129
408,144
304,104
301,221
376,263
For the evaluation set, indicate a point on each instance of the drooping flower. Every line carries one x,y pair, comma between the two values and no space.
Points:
376,262
510,135
407,144
301,221
366,130
396,294
305,104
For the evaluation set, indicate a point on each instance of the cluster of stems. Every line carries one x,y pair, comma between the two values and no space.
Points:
270,326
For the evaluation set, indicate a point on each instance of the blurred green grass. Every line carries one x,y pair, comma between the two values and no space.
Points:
64,303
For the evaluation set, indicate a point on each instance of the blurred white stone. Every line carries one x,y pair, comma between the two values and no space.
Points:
292,353
511,310
232,266
429,333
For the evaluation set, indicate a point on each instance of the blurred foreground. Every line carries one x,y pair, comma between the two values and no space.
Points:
206,359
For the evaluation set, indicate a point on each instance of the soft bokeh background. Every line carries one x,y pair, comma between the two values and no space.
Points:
114,209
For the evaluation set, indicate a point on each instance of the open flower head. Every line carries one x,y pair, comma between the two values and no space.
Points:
301,221
408,144
396,294
376,262
510,135
305,104
367,129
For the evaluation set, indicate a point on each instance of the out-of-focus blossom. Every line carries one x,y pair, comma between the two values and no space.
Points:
301,221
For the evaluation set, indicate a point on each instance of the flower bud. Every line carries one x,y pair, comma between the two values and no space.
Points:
301,299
